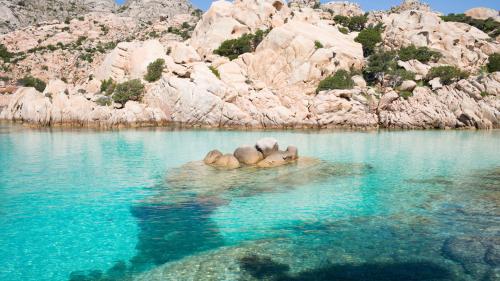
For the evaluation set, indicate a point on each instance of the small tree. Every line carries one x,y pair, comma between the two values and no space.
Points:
30,81
245,44
494,62
154,70
340,80
357,23
318,44
130,90
369,38
5,55
447,74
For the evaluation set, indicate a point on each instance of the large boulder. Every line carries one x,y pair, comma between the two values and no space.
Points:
248,155
267,146
279,158
482,13
227,161
212,156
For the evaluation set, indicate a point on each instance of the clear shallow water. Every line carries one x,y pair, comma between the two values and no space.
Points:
88,203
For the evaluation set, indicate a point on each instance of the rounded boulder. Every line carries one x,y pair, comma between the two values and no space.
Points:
212,156
248,155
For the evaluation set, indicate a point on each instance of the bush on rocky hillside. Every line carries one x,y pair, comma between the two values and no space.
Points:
108,86
356,23
342,79
489,26
494,62
30,81
5,55
127,91
422,54
383,68
369,38
155,70
245,44
447,74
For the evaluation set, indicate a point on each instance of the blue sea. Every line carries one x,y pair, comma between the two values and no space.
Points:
132,204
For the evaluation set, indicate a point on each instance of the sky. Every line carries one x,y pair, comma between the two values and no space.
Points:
444,6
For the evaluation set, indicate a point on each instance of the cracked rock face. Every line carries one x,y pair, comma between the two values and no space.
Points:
151,9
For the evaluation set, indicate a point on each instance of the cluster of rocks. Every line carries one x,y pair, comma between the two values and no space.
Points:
265,154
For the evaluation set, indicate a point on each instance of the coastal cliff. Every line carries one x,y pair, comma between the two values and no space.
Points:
257,64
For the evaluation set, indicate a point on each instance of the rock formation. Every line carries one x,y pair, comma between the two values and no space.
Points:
483,13
153,9
15,14
273,85
265,154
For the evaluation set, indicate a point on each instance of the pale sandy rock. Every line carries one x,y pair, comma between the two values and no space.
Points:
248,155
129,60
343,8
359,81
436,84
267,146
416,67
227,161
212,156
387,99
407,5
460,44
483,13
333,109
183,53
408,85
288,60
225,20
304,3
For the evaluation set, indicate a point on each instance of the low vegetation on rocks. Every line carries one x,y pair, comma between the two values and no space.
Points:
356,23
489,26
128,91
422,54
245,44
5,55
215,71
30,81
494,62
184,31
447,74
370,37
155,70
341,80
108,86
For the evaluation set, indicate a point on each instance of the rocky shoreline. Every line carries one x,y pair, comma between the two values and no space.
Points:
289,78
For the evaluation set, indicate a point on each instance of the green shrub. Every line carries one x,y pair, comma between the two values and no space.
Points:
383,67
30,81
5,55
127,91
108,86
214,71
494,62
154,70
369,38
356,23
340,80
447,74
489,26
318,44
344,30
422,54
245,44
342,20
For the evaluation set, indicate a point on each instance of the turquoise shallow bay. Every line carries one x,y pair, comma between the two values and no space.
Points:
80,204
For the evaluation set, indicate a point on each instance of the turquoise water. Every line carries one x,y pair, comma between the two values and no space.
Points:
79,204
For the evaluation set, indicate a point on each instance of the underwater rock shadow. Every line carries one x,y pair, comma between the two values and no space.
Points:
171,232
265,267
